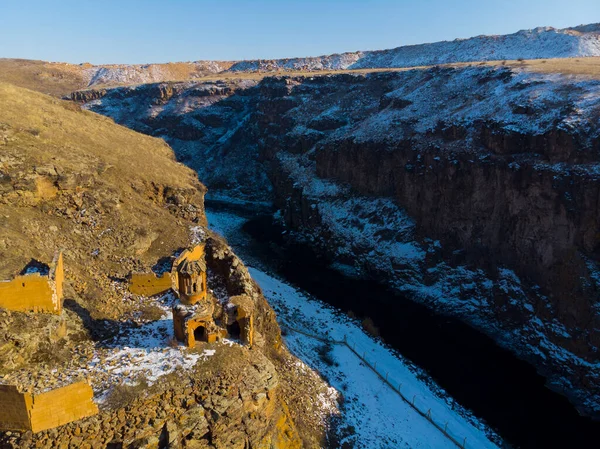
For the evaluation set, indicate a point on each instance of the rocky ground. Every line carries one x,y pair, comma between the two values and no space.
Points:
231,402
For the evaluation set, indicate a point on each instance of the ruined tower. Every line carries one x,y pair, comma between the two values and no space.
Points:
191,279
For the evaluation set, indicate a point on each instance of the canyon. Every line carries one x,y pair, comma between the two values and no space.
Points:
471,189
456,182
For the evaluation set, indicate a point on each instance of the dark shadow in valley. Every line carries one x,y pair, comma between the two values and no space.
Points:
506,392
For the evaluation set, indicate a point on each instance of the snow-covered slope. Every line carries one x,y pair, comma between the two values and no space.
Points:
376,413
327,62
149,73
539,43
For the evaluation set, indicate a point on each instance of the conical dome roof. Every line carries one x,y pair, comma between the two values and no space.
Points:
192,267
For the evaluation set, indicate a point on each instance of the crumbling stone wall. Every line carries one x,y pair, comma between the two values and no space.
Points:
148,284
14,408
34,292
37,412
238,282
243,313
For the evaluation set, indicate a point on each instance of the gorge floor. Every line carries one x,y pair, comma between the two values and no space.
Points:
498,388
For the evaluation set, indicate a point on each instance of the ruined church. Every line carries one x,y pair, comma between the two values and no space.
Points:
197,315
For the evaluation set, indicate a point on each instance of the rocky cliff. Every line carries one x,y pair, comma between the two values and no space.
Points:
116,201
474,190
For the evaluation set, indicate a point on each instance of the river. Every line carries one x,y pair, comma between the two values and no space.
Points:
503,391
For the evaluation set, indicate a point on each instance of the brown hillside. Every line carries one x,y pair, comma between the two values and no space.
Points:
61,79
51,78
111,198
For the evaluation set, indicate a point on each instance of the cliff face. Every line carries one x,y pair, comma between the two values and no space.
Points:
542,223
115,201
474,190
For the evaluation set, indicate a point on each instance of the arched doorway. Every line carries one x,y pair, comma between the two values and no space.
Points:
200,334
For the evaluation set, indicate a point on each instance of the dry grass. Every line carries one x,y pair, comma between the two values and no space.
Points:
52,354
73,138
567,66
55,79
325,354
121,395
151,312
369,326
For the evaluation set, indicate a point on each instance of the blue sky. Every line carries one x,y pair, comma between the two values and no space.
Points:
136,31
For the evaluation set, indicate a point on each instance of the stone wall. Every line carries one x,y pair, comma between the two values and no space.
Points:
243,314
148,284
37,412
61,406
34,292
14,408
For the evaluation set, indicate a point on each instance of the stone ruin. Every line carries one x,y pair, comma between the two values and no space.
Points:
39,289
197,315
24,409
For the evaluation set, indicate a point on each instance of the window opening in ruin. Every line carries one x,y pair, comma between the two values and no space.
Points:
234,330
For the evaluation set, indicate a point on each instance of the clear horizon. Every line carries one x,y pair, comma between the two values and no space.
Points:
138,32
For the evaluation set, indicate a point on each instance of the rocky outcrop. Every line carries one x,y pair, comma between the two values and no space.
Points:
224,262
227,405
297,386
87,95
